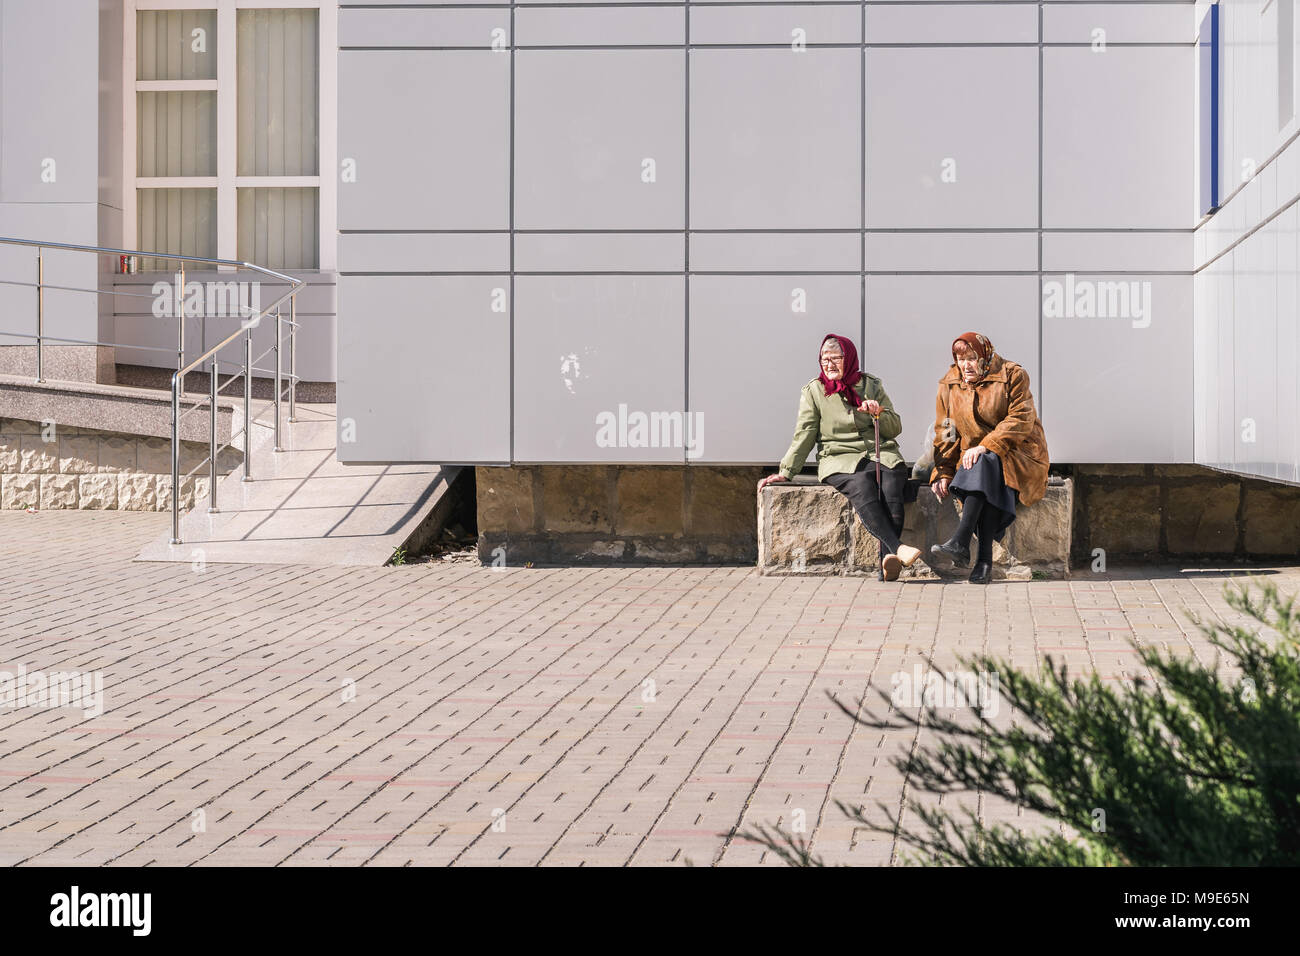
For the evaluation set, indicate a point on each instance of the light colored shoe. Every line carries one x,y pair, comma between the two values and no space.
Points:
908,554
892,565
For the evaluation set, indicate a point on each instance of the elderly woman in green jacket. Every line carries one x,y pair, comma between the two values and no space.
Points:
835,412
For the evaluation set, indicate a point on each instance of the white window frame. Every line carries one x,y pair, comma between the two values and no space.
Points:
226,182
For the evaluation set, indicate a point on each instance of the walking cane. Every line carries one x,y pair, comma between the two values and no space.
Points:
875,421
880,490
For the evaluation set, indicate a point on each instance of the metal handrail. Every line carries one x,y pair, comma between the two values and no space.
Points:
247,325
178,378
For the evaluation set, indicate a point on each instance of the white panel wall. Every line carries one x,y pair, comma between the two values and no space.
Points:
49,134
1248,260
914,171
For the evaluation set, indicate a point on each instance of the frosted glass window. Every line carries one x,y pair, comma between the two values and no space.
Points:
278,83
259,179
179,221
176,45
176,133
278,228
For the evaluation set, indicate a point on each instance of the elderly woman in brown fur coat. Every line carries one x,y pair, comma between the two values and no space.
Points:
989,448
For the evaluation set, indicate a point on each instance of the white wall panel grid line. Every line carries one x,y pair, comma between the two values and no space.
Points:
783,157
426,28
801,251
582,158
1118,251
604,252
459,188
1100,25
1126,341
952,138
594,356
784,25
920,24
388,382
428,252
1106,118
600,26
912,321
793,312
1287,351
1254,338
775,139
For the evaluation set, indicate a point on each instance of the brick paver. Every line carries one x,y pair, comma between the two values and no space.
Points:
452,714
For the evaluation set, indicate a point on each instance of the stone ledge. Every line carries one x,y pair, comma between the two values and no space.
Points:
114,408
807,527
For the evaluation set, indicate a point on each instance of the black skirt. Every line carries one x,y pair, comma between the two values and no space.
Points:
986,478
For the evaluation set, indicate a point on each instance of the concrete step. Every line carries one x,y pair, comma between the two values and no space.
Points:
116,408
303,507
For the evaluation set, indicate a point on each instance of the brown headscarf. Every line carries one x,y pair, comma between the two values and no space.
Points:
980,345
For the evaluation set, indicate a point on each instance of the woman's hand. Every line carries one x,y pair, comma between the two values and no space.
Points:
940,488
870,406
770,480
972,455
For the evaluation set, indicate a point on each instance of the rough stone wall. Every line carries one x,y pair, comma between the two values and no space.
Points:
807,527
65,467
610,514
1153,512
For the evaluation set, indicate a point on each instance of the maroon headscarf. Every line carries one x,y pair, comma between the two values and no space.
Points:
849,374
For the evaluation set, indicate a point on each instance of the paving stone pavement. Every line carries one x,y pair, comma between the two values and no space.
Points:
451,714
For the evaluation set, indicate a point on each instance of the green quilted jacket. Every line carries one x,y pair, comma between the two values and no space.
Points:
843,436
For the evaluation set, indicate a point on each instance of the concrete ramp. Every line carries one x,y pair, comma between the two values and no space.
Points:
303,507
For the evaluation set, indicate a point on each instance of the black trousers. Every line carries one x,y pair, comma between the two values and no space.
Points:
883,519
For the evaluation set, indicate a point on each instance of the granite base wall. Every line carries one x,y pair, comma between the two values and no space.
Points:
66,363
663,514
616,514
1163,512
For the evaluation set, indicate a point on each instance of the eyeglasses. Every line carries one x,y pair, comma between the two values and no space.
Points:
832,360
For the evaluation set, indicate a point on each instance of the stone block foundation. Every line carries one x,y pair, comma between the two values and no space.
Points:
806,527
667,514
616,514
63,467
1131,513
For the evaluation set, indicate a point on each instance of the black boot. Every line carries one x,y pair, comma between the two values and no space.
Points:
955,552
982,573
949,555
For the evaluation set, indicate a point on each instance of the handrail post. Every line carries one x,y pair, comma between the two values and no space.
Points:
212,443
180,335
248,403
278,446
176,461
293,358
40,315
